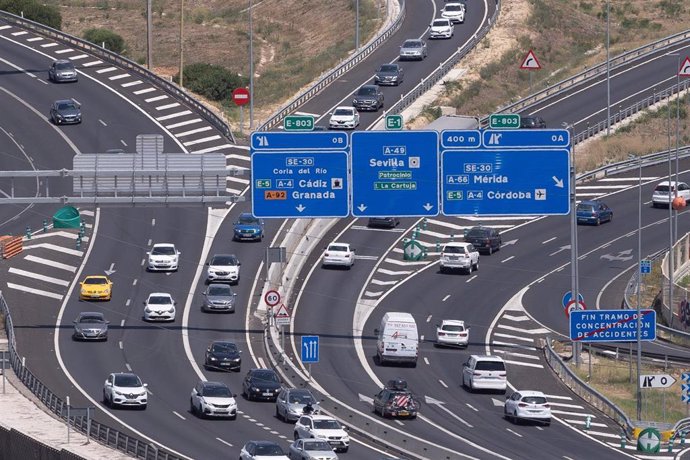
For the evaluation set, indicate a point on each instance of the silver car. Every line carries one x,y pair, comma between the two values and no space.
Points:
308,449
219,297
413,48
291,402
90,326
62,70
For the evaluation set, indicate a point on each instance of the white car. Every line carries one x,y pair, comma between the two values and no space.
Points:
344,117
223,267
441,28
528,405
340,255
213,399
125,389
163,257
159,306
484,372
324,427
454,11
311,449
452,332
462,256
660,195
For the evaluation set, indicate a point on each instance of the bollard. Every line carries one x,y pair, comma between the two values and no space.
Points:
452,235
424,223
682,439
670,444
424,254
45,225
78,243
81,232
588,422
28,232
622,439
438,246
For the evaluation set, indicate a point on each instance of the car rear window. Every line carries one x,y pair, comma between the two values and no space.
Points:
479,233
534,400
453,328
490,366
585,207
662,188
455,249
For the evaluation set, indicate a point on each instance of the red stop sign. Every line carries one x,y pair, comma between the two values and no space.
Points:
240,96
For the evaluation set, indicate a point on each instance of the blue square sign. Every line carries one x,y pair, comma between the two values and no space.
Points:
394,173
310,349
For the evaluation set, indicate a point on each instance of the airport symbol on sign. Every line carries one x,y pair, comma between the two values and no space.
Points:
530,62
656,381
310,349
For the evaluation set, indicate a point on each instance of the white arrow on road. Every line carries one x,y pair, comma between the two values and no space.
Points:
428,206
300,208
439,404
622,255
366,399
111,270
509,242
361,207
562,248
559,182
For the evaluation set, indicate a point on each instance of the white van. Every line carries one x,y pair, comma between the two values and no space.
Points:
398,340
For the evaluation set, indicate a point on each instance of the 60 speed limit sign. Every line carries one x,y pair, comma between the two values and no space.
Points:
272,298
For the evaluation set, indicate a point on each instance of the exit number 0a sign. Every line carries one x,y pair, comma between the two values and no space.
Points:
504,121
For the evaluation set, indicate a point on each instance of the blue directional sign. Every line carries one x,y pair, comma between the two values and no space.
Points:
458,139
645,266
525,138
394,173
568,296
505,182
330,140
310,349
611,325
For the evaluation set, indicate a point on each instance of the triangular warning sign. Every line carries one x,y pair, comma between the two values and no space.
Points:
530,62
282,312
684,70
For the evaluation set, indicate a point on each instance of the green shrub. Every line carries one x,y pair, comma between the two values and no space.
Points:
211,81
113,41
35,11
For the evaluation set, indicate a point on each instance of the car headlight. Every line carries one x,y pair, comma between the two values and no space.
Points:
119,393
212,358
171,310
147,310
256,389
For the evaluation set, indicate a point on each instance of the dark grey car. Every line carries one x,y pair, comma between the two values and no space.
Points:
219,297
389,74
62,70
65,111
383,222
90,326
368,97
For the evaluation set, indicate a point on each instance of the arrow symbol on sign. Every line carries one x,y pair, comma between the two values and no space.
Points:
439,404
508,243
428,206
111,270
562,248
559,182
685,376
300,208
685,388
361,207
366,399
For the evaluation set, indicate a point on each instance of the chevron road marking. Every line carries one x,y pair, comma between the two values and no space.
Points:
627,179
406,262
91,63
63,51
234,156
47,279
156,98
202,140
566,406
433,234
520,363
239,180
55,247
366,258
50,263
383,283
168,106
34,39
517,318
541,330
183,123
566,398
107,69
86,212
394,273
508,336
582,422
605,435
119,77
144,91
373,294
193,131
518,355
5,27
30,290
217,148
573,414
132,83
16,34
513,345
174,115
78,57
49,45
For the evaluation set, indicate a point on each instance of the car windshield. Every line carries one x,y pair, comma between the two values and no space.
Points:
534,399
219,290
300,398
159,300
455,249
64,66
490,366
326,425
67,106
91,319
224,260
453,328
316,445
454,7
585,207
223,347
163,251
269,449
366,91
412,44
265,376
343,112
127,380
216,391
389,68
95,281
337,248
440,23
248,219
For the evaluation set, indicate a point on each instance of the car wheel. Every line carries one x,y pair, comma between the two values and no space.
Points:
476,266
345,449
105,399
296,436
516,419
598,221
192,407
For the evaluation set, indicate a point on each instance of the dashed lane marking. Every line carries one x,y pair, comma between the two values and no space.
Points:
426,360
549,240
176,413
506,260
47,279
107,69
50,263
31,290
132,83
183,123
470,278
445,298
443,383
224,442
514,432
144,91
174,115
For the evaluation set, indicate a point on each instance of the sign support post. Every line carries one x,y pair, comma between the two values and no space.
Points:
576,346
67,401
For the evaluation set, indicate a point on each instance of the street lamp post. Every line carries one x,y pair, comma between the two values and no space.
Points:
671,188
251,68
639,283
181,43
608,68
149,32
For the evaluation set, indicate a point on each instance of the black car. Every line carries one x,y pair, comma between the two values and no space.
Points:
383,222
261,384
221,355
262,449
65,112
532,123
396,400
389,74
485,239
368,97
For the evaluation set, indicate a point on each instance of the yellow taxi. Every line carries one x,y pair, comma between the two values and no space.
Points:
96,287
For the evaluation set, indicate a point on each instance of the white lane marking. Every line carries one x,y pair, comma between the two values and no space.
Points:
78,57
261,362
102,122
471,278
605,435
373,293
315,115
572,414
149,242
49,45
5,27
549,240
122,323
129,368
516,318
31,290
567,406
506,260
143,261
119,77
34,39
472,407
393,272
540,330
168,106
603,187
41,260
156,98
132,83
520,363
134,283
175,412
366,258
516,434
566,398
86,212
183,123
224,442
128,302
633,180
193,131
428,318
91,63
153,222
202,140
442,383
516,337
217,148
234,156
119,344
518,355
144,91
234,191
239,180
446,298
582,422
47,279
16,34
406,262
55,247
513,345
426,360
63,51
174,115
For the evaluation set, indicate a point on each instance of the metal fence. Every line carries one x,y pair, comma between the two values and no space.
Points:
16,445
100,432
120,61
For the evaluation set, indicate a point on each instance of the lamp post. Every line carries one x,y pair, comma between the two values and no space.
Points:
181,43
639,282
671,188
357,26
149,32
251,68
608,68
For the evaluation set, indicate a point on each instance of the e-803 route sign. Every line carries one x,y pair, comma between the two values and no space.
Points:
299,175
394,173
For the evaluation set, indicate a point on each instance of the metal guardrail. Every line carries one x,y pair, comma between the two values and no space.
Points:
634,163
334,74
100,432
123,62
584,391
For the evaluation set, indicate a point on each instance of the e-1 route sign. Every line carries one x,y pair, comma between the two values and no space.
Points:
394,173
611,325
299,175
